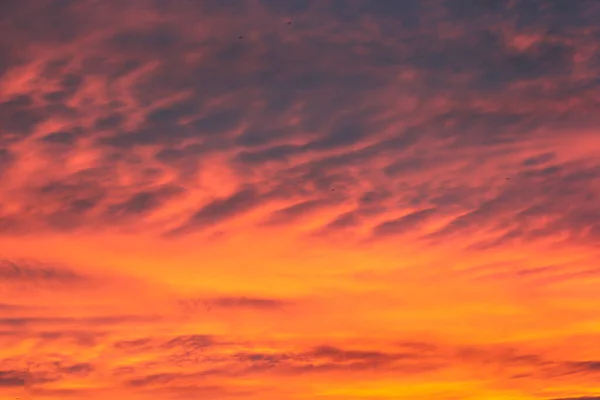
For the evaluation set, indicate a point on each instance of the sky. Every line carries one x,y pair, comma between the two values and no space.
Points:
296,199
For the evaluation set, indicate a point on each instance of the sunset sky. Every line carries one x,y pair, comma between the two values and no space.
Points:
297,200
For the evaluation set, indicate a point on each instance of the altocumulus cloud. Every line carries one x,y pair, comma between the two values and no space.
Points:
470,124
163,72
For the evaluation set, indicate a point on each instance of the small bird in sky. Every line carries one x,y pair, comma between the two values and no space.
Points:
289,22
240,37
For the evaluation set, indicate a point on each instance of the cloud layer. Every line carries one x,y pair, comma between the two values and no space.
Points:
366,200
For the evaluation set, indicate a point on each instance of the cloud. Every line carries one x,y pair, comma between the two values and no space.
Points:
339,355
132,344
35,273
6,159
344,220
61,137
144,202
402,224
533,196
296,211
233,303
99,321
81,338
77,369
206,363
163,76
190,341
222,209
12,379
7,307
579,398
466,128
156,379
245,302
20,117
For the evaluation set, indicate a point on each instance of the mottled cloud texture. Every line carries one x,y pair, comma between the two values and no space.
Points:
267,199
